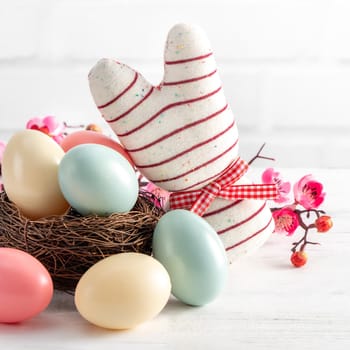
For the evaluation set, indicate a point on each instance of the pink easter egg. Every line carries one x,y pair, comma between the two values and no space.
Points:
26,286
87,136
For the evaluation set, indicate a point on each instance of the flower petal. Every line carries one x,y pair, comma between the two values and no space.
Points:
268,175
34,122
286,221
2,149
308,192
285,187
50,122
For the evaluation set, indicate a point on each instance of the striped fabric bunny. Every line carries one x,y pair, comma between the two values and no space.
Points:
182,135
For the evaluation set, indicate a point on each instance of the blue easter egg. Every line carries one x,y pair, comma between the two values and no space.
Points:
193,254
95,179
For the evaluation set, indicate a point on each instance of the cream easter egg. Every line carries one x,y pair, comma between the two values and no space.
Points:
122,291
29,169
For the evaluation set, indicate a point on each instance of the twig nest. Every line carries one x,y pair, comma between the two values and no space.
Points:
68,245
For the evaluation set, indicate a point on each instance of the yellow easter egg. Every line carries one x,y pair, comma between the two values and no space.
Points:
29,168
123,291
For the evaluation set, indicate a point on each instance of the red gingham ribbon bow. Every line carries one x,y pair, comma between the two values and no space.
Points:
199,200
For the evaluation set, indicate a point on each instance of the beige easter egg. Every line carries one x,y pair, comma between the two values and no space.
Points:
123,291
29,168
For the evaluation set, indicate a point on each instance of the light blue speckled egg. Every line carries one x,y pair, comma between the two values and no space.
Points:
194,256
95,179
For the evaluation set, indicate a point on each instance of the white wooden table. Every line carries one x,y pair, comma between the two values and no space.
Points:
267,303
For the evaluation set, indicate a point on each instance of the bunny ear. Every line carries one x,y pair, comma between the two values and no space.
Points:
188,55
115,87
107,79
186,43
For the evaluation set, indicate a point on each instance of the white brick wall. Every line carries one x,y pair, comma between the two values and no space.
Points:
285,64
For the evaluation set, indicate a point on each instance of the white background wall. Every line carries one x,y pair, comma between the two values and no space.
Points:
285,64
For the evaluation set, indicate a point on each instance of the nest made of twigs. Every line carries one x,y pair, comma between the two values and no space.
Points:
68,245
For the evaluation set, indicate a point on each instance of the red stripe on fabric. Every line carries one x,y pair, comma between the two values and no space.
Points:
211,177
197,168
121,94
220,210
133,107
171,83
250,237
198,145
168,107
176,131
208,178
189,59
243,221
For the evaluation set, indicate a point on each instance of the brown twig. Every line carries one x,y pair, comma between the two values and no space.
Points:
258,155
303,242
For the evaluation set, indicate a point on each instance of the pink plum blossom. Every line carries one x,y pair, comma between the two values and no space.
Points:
2,149
271,176
308,192
48,125
161,195
286,220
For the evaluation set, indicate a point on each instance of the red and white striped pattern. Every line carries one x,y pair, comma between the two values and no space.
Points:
198,201
243,225
182,134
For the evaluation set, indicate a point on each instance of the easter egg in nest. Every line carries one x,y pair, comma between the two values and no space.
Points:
29,169
89,136
95,179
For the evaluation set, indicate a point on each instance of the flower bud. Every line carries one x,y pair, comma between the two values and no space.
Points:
298,259
94,127
324,223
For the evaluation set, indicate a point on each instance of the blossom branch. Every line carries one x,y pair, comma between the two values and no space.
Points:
303,242
258,155
303,212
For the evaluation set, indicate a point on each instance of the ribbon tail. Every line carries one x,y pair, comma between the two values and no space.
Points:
252,191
